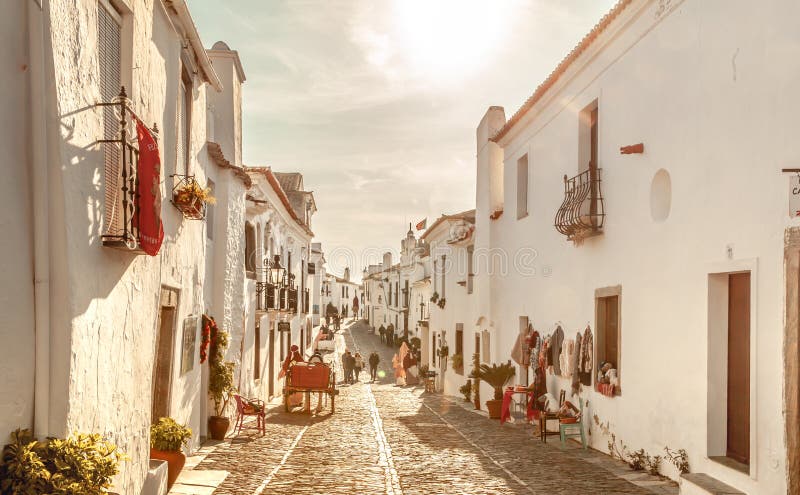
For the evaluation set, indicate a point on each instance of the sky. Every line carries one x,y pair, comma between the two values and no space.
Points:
376,101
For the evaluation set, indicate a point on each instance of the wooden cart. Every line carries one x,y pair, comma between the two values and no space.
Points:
310,377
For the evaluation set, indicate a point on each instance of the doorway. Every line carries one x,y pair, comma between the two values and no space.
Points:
271,361
730,385
791,349
738,406
162,364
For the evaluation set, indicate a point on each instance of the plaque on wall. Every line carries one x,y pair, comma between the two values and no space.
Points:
189,342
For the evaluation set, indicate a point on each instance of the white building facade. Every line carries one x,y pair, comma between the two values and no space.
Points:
638,194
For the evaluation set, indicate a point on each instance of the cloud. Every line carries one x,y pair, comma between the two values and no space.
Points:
376,106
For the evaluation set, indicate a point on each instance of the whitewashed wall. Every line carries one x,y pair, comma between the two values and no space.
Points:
105,312
708,88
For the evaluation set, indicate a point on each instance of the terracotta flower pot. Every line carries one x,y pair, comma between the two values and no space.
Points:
494,407
175,462
218,427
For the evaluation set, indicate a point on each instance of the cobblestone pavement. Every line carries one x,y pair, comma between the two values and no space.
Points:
400,441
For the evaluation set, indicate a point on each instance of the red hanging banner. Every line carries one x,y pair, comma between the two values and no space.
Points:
151,230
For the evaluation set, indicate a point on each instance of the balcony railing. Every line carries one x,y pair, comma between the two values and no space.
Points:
582,213
265,296
121,159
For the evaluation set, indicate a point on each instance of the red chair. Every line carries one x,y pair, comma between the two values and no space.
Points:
250,407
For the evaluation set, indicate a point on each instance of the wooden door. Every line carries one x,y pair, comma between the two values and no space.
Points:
738,435
162,369
257,353
271,360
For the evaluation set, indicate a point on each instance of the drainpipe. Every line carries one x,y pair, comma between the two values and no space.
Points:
39,183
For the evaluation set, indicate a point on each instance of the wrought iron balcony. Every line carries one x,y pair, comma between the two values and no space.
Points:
265,296
582,213
121,160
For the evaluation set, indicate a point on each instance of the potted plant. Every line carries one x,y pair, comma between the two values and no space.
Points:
466,391
81,464
496,376
190,197
220,379
435,297
442,302
167,439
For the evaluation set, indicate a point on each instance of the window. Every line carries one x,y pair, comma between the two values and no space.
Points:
608,345
210,215
184,150
435,275
444,265
460,346
522,187
406,294
485,348
250,250
470,267
588,137
109,60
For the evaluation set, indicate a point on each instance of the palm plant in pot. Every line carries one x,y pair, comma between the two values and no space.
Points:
220,380
496,376
167,439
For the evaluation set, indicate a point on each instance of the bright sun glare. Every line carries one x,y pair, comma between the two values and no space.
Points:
449,38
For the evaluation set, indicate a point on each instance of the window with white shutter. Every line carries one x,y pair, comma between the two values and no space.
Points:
109,57
183,155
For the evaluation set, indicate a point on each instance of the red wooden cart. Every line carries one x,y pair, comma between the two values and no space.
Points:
310,377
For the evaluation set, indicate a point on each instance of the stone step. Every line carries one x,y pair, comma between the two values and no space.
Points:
703,484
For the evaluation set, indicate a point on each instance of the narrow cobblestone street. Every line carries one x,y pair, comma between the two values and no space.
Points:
393,440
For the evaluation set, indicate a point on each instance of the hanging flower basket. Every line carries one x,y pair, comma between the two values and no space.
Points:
190,198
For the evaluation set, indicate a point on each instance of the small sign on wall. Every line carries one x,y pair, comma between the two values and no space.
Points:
794,195
190,325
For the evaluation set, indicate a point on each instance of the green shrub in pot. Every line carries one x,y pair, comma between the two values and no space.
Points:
81,464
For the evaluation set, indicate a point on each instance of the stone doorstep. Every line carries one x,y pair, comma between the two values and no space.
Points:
701,483
202,482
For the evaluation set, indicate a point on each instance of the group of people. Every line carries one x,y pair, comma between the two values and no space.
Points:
387,334
353,364
405,367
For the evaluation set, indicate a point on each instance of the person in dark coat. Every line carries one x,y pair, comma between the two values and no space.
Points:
374,359
348,362
390,335
382,331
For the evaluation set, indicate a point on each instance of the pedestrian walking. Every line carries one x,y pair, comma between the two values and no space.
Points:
358,365
399,372
347,366
374,359
390,335
382,331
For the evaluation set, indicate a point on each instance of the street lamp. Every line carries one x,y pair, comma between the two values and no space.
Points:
275,271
